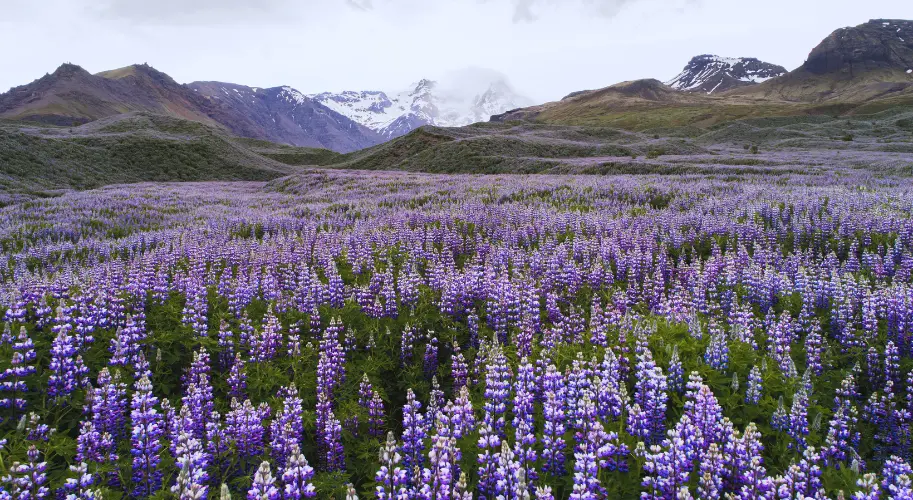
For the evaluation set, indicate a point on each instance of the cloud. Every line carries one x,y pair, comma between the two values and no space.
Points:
524,10
187,11
360,4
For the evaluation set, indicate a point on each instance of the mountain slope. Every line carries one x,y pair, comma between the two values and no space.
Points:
646,104
73,96
859,70
282,114
130,147
424,103
870,61
709,74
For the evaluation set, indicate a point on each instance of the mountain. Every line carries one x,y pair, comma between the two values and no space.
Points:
859,70
424,103
284,115
73,96
871,61
709,73
641,105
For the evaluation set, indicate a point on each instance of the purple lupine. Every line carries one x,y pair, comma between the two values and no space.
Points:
459,370
263,485
145,440
391,479
717,354
226,340
332,439
437,479
407,345
244,424
891,362
430,360
217,444
128,341
191,482
497,390
753,393
710,483
331,362
647,415
779,420
611,393
590,441
414,433
108,404
68,372
802,479
524,420
814,347
676,371
868,488
294,339
286,429
11,381
897,476
237,378
28,480
460,414
198,394
296,476
841,437
553,443
269,339
79,487
509,476
797,426
489,447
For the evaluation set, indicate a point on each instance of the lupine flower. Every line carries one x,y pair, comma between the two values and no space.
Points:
296,476
753,394
28,480
414,433
191,482
80,486
286,429
145,440
553,435
263,486
497,390
391,479
237,378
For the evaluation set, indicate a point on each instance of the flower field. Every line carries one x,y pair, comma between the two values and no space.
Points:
410,336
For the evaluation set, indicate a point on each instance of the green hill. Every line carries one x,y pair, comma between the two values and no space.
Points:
37,159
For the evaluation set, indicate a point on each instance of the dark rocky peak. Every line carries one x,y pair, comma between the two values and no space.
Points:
876,45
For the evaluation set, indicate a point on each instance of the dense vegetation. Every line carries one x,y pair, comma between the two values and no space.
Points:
493,337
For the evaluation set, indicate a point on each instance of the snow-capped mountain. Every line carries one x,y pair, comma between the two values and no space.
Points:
284,115
425,103
710,74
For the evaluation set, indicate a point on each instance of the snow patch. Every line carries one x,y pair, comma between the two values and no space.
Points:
425,102
704,69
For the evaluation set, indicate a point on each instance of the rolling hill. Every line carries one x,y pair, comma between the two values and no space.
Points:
72,96
131,147
858,70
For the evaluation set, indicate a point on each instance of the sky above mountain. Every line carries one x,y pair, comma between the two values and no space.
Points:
546,48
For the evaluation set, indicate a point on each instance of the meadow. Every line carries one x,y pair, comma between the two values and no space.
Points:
745,333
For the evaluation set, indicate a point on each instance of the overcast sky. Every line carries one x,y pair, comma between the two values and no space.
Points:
547,48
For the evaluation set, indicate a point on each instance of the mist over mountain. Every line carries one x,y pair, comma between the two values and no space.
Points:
460,98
